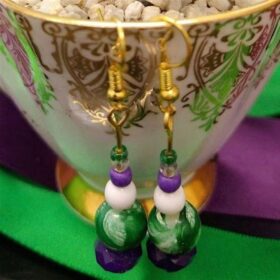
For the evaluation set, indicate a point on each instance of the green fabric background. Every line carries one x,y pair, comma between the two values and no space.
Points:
268,103
41,221
38,219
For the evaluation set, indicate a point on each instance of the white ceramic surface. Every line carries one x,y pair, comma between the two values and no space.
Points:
48,65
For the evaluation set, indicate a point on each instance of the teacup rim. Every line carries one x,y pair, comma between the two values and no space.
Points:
136,24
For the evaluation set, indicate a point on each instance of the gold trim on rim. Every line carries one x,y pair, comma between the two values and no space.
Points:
139,25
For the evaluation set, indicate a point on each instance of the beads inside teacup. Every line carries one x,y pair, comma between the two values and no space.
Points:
133,10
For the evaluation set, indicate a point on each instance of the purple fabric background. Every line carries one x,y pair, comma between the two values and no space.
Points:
248,179
21,149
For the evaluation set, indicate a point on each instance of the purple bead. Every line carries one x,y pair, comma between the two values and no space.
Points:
116,261
121,179
169,262
169,184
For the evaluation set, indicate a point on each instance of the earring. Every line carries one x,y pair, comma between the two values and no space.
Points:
121,222
173,224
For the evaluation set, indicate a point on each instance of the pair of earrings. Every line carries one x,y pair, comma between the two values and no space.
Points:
173,225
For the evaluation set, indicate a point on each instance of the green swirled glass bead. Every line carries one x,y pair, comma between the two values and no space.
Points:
176,234
121,230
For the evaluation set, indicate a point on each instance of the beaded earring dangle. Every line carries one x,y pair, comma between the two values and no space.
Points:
120,221
173,224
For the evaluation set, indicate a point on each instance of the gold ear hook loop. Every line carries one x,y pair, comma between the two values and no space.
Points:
116,90
101,18
116,94
117,118
119,50
169,92
168,36
169,112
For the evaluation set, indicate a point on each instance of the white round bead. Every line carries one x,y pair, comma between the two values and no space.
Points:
169,203
120,198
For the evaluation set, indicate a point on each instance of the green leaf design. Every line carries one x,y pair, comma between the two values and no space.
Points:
43,88
219,73
4,51
274,43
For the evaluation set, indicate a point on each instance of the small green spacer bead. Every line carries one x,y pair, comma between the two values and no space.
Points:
117,155
168,157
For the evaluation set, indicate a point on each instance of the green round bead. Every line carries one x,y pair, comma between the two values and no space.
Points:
116,155
176,234
168,157
121,230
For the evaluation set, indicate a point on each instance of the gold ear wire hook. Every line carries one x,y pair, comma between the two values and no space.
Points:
169,112
116,90
168,36
120,46
169,93
101,18
117,122
116,93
